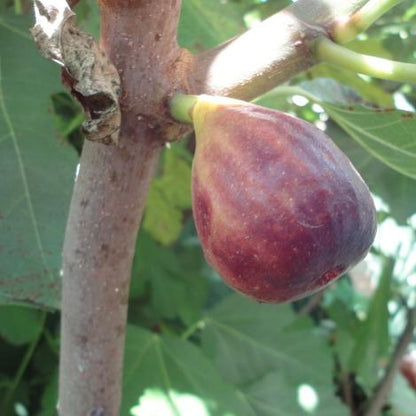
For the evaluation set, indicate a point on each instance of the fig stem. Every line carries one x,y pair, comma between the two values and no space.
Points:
332,53
181,106
358,22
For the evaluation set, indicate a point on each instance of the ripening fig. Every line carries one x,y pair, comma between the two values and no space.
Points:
279,209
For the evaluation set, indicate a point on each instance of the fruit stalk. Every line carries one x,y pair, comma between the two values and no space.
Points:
181,106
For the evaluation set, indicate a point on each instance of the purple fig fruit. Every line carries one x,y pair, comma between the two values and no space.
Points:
279,209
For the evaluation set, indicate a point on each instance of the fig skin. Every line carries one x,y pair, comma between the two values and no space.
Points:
279,209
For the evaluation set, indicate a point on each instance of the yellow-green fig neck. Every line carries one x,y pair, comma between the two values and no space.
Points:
206,104
205,107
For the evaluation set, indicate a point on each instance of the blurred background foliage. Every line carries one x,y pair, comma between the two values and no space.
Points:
193,347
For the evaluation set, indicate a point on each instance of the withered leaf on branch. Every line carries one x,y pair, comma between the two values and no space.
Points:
87,71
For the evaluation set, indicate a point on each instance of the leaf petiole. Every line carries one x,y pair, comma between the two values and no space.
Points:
347,30
192,329
332,53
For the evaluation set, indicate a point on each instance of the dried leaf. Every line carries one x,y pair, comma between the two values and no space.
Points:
88,72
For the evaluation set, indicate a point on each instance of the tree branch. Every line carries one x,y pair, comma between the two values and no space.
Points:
378,400
107,205
270,53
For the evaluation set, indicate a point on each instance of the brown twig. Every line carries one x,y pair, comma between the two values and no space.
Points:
382,391
346,384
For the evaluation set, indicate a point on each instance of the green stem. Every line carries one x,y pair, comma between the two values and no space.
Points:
192,329
22,367
181,106
362,19
329,52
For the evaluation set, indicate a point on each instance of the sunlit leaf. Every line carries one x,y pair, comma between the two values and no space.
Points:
274,395
168,376
169,195
249,341
372,337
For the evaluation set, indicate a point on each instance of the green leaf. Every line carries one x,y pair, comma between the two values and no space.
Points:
176,180
20,325
169,376
50,397
249,341
162,220
372,337
396,190
388,134
37,171
274,395
169,194
205,24
345,334
177,286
